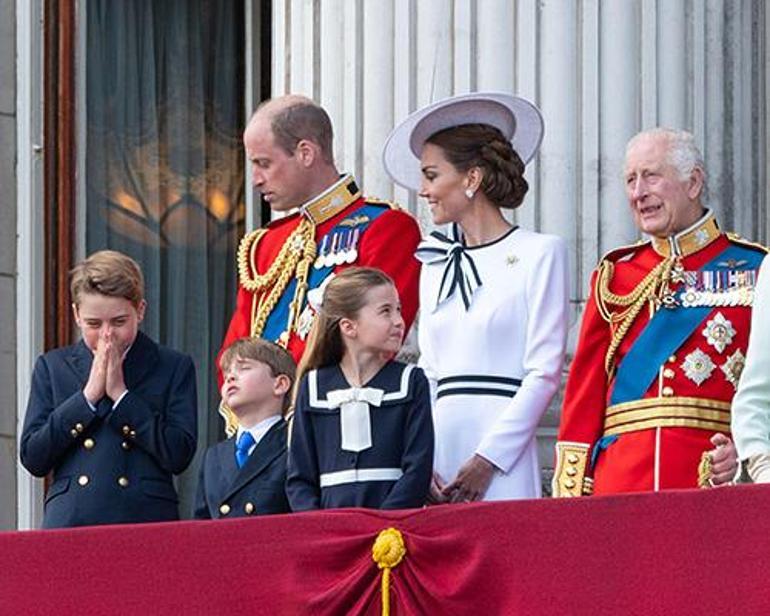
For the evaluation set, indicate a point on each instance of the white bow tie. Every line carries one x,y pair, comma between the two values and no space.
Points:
355,422
460,271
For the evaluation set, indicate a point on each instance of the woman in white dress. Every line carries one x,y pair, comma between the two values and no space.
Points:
493,297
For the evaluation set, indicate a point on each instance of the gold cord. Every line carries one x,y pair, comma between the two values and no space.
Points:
654,288
293,260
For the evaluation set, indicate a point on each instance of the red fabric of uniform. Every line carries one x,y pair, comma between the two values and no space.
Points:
678,552
388,244
629,464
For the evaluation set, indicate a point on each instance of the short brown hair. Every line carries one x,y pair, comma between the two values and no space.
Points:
273,356
110,273
300,120
484,146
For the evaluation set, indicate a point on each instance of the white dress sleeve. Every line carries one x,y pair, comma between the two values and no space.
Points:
544,348
426,361
751,404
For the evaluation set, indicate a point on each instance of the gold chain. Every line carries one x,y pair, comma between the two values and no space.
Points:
295,257
653,287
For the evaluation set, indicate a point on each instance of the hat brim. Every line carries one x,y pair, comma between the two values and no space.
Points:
518,119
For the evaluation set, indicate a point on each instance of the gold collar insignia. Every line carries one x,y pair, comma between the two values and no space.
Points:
689,241
332,201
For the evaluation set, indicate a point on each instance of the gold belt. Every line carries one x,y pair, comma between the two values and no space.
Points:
675,412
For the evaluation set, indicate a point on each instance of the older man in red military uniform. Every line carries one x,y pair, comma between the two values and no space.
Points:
663,339
289,143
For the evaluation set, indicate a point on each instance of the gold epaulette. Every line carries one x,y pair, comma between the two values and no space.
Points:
604,273
735,238
391,204
622,251
569,476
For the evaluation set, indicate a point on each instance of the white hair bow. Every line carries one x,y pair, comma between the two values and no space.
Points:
355,422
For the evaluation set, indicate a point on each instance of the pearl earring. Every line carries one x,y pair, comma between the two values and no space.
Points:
469,193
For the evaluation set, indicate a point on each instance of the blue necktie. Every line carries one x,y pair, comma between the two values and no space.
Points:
245,442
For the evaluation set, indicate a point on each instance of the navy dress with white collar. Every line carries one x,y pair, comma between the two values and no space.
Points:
361,447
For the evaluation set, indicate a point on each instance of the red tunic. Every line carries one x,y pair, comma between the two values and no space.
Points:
388,243
654,457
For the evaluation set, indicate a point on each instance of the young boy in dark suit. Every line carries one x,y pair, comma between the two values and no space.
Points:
113,416
246,474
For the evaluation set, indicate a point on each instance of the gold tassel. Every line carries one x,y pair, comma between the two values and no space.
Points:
388,551
704,470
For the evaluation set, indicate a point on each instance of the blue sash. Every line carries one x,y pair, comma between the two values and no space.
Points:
276,321
667,331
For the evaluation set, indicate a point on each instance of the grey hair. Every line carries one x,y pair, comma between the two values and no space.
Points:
683,154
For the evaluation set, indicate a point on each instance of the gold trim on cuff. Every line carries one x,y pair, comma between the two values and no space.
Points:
569,476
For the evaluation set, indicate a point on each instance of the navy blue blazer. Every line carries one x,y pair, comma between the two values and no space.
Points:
323,475
226,491
111,466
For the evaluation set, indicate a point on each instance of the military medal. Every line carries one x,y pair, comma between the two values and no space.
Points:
339,253
719,288
320,259
351,254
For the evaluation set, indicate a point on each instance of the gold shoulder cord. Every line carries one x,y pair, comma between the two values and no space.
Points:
293,260
653,287
738,239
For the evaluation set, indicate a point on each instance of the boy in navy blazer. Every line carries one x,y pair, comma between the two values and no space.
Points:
246,474
114,416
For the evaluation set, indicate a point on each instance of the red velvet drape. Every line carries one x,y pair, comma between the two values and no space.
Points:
688,552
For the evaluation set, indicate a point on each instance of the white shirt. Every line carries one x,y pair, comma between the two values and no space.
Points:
258,430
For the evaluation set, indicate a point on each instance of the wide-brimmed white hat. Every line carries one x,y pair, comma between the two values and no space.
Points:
517,118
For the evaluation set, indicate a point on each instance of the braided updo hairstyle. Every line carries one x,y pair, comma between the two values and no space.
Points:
484,146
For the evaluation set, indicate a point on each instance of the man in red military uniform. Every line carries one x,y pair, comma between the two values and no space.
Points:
662,341
289,143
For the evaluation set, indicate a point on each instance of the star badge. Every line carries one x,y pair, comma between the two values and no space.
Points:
733,367
719,332
698,366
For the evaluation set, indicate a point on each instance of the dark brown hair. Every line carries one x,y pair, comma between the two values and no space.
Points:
278,359
343,298
110,273
484,146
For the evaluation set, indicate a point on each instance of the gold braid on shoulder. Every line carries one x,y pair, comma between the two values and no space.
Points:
294,258
653,287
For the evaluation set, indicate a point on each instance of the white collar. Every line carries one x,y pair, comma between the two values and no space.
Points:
258,430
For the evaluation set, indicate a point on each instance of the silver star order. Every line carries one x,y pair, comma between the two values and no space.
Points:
733,367
719,332
698,366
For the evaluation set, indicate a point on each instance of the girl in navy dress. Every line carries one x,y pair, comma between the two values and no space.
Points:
362,433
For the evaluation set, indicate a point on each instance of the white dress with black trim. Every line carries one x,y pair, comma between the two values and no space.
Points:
492,335
366,446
